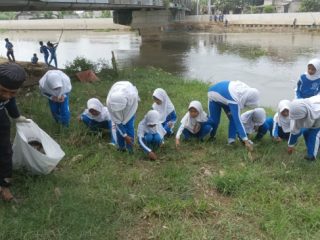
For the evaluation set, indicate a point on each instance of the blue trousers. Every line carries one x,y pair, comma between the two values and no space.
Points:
60,111
46,59
54,58
97,126
204,130
215,114
129,129
152,141
312,138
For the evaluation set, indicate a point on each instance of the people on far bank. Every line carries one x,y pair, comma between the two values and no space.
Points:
34,59
9,47
52,47
45,51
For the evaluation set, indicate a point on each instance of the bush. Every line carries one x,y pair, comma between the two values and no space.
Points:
80,64
269,9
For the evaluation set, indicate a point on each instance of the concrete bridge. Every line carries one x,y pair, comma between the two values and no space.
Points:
148,16
60,5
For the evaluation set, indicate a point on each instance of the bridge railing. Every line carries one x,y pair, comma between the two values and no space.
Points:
115,2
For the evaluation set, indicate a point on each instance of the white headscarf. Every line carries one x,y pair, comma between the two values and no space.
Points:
252,118
305,113
316,63
193,124
283,122
151,118
122,102
166,106
243,94
95,104
55,83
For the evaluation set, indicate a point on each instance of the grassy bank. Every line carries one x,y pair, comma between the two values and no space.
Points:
203,191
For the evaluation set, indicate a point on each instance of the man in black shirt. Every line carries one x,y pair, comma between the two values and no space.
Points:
11,78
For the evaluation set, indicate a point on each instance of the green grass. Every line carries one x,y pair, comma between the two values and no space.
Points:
203,191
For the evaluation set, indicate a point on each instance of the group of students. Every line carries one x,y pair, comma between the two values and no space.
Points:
300,116
292,119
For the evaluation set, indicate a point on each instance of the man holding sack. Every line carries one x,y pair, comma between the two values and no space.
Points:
11,78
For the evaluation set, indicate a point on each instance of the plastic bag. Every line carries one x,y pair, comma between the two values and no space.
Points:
27,156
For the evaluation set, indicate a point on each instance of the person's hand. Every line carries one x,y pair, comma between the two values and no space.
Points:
22,119
290,150
248,145
152,156
170,124
277,139
54,98
61,98
177,143
128,140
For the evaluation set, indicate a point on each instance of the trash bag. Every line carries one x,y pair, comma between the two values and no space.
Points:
35,150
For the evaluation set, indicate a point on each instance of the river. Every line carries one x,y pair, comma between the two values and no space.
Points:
271,62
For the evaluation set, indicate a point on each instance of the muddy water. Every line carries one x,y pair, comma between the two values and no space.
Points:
272,62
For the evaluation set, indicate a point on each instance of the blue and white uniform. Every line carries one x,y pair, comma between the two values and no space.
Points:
197,127
309,85
231,96
168,116
55,83
122,103
281,124
305,114
255,121
99,122
150,132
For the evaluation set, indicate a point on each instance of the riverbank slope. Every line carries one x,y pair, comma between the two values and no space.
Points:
202,191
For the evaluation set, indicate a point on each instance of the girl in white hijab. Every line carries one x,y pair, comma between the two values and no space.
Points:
122,103
309,82
56,86
151,133
164,106
97,118
256,121
305,116
281,122
231,96
194,123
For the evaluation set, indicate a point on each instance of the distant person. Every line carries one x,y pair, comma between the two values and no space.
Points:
226,23
9,47
34,59
45,51
56,86
53,56
294,24
309,82
164,106
215,18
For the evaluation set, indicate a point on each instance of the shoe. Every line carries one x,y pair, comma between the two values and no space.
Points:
6,195
311,159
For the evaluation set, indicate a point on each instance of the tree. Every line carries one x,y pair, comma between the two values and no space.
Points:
310,6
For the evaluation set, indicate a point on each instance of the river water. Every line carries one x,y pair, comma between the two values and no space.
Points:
271,62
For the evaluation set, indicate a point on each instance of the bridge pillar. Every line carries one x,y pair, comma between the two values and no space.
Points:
151,24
